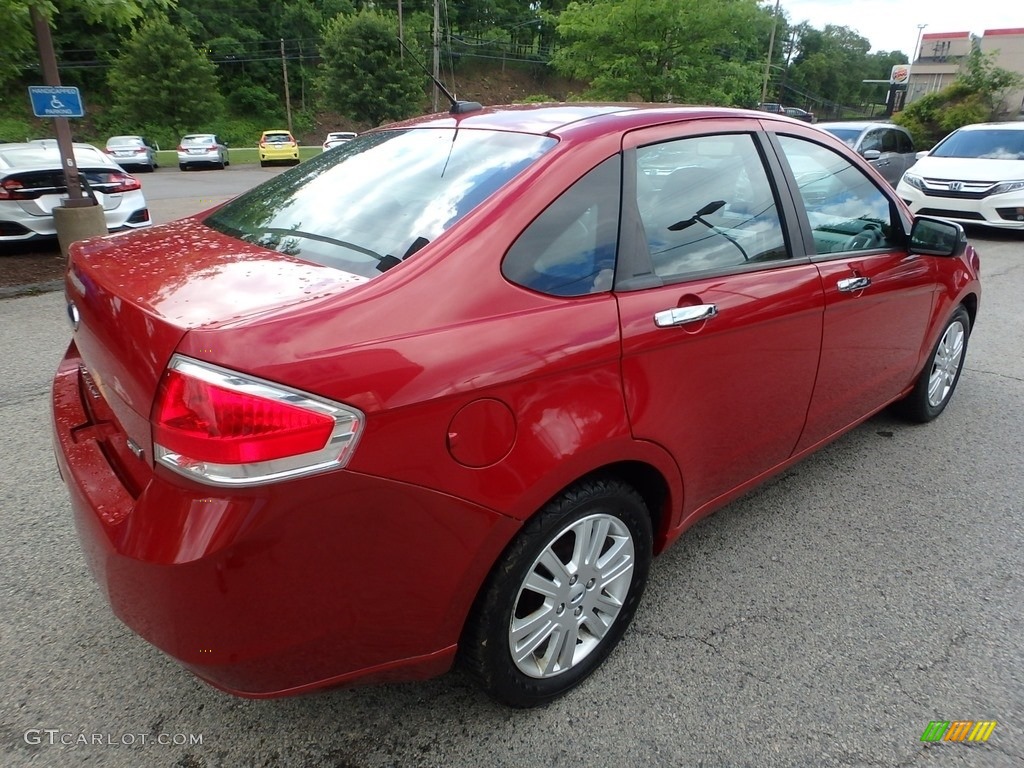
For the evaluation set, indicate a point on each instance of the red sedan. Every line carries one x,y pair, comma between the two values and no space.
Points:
444,391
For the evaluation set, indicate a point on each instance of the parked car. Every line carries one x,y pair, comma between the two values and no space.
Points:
133,152
202,149
888,147
445,393
338,137
32,184
773,107
800,114
973,176
278,147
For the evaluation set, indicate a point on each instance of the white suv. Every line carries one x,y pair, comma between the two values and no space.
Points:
973,176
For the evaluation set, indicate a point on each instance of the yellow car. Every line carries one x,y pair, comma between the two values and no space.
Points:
278,147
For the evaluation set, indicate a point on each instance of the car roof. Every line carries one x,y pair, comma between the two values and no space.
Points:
564,118
277,130
857,124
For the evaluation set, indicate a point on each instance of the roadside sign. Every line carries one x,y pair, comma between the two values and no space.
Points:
900,74
55,101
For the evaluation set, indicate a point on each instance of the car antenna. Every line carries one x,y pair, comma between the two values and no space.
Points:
458,107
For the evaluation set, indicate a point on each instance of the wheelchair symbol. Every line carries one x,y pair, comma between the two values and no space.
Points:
56,103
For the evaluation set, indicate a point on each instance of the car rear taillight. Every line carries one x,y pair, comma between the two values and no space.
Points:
222,427
181,148
14,189
123,182
263,145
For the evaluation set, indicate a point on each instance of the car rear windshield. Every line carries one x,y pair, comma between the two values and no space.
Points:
379,198
984,145
124,141
277,137
201,140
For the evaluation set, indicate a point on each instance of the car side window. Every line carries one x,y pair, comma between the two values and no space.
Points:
903,143
889,140
847,212
706,205
569,250
872,141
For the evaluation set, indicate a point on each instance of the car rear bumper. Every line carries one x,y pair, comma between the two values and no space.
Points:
274,590
270,155
27,228
212,158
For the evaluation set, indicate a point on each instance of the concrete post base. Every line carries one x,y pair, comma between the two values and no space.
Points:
78,223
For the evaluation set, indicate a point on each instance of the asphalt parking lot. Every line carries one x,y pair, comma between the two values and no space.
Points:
823,620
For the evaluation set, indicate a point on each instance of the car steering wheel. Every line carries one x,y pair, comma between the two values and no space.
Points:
869,237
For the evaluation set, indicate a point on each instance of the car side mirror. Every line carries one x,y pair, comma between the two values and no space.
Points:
871,154
937,237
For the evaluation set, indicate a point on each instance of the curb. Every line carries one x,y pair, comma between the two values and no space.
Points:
30,289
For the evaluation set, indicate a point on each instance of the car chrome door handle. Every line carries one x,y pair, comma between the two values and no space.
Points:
668,318
851,284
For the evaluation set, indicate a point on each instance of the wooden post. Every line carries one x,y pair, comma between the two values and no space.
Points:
48,60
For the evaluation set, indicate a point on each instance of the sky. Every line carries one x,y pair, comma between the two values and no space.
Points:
891,25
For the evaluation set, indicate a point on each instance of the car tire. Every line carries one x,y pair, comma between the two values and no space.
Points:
182,167
526,609
264,163
938,380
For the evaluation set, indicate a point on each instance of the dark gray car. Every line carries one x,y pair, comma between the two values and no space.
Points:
886,146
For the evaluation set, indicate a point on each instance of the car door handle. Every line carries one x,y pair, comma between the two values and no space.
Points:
851,284
669,318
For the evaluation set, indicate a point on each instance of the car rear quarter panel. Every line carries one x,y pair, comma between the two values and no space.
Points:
411,357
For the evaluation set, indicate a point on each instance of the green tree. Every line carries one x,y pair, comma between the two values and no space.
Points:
833,62
699,51
363,75
161,78
18,42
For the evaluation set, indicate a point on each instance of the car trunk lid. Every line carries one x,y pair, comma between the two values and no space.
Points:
133,298
39,192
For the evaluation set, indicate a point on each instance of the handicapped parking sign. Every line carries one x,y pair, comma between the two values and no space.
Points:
55,101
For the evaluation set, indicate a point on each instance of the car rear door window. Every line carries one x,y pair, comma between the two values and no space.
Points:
706,205
904,145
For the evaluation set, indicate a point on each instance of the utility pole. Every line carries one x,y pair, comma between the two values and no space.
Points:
437,52
401,36
287,97
771,48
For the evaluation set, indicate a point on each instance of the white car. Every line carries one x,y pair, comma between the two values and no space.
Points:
32,185
133,152
337,137
202,149
973,176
